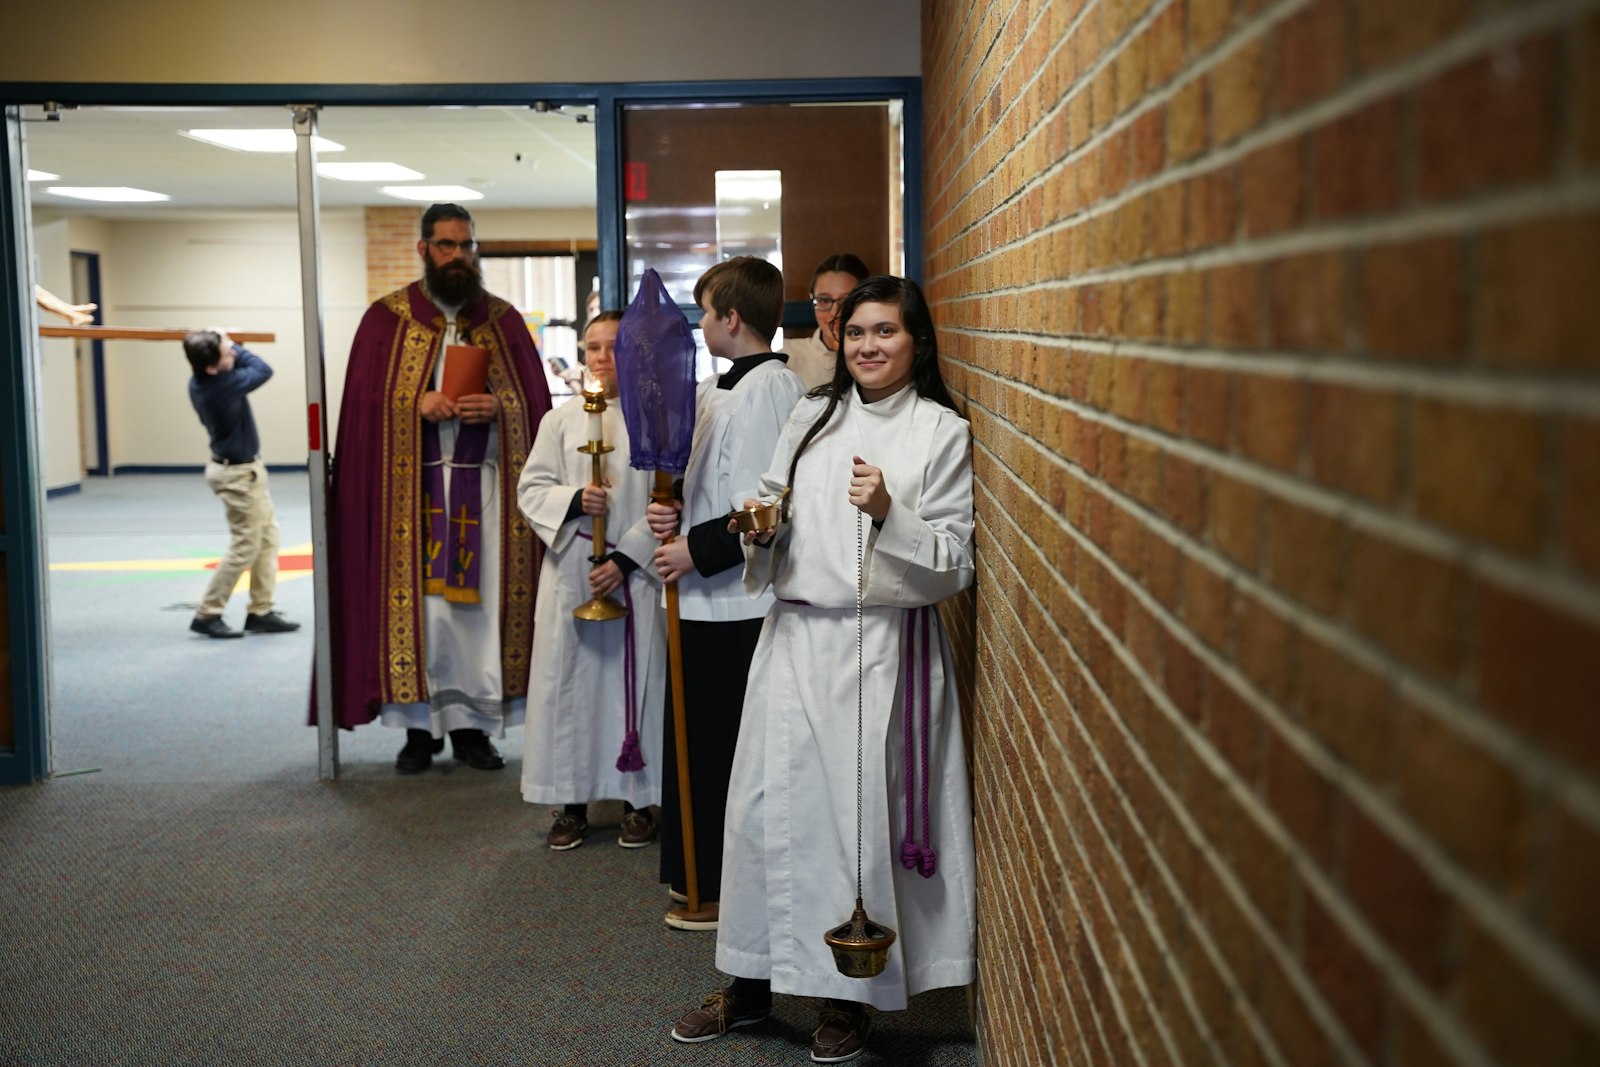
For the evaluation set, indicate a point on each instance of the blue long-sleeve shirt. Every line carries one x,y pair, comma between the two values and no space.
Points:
223,403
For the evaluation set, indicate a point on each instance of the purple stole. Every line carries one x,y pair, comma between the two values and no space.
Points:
455,533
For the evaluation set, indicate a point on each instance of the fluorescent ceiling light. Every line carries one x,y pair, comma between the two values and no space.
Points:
432,193
110,194
259,140
368,172
42,176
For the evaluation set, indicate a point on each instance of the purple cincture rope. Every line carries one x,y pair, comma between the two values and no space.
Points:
631,758
913,856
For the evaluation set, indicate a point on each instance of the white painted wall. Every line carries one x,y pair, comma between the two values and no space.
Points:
499,41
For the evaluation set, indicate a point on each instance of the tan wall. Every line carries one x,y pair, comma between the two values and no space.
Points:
409,42
1277,326
237,269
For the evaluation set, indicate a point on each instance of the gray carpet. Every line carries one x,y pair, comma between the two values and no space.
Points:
196,896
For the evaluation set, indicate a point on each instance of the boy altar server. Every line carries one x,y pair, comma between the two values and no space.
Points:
594,734
738,417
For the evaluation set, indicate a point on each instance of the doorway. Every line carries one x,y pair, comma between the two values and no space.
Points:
91,360
24,711
127,562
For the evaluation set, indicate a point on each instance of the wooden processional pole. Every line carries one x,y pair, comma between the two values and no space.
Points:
663,494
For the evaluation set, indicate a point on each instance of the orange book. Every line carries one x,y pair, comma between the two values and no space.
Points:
466,371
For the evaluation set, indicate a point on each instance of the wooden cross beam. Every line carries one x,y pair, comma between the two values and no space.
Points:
137,333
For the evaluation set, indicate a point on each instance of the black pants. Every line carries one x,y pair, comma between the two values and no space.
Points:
716,665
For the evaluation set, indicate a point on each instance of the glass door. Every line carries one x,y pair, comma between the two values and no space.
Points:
792,183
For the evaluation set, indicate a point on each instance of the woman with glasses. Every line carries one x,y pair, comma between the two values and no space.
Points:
813,358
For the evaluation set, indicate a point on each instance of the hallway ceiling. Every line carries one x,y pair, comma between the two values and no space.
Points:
475,147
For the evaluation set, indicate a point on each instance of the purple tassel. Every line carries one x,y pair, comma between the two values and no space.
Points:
914,857
631,759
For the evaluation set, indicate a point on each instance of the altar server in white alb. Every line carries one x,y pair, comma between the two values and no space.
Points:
738,417
594,733
884,456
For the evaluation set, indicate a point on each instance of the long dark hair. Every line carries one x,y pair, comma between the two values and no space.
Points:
904,294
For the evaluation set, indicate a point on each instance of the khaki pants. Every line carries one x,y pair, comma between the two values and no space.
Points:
243,489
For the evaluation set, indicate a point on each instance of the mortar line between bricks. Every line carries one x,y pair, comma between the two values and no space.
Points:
1560,975
1152,925
1509,388
1568,590
1513,24
1482,212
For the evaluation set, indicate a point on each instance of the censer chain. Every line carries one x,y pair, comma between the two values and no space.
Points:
860,674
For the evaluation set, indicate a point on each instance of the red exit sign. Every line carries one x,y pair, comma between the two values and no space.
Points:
635,181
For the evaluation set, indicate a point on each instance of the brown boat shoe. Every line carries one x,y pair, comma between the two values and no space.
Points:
567,832
842,1031
638,829
715,1016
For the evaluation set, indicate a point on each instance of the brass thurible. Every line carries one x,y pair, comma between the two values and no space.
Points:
600,608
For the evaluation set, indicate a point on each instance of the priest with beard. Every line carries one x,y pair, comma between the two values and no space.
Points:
432,572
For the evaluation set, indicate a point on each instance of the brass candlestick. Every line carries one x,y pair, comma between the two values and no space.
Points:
600,608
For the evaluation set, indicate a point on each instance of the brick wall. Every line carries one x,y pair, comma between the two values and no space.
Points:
1279,329
392,260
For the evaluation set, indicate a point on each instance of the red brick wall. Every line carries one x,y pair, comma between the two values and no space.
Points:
1279,329
392,260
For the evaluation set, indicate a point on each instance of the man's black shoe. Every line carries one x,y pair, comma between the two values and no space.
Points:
212,626
270,623
473,748
417,755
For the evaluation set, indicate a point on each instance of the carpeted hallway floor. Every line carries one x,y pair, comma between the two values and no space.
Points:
196,896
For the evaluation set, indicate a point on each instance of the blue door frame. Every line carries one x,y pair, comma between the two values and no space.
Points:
22,533
22,538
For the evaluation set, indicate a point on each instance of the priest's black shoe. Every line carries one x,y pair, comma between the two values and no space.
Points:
270,623
417,755
474,748
212,626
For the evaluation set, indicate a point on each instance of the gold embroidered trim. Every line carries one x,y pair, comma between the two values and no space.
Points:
410,364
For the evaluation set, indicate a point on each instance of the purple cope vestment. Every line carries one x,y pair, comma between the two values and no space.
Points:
378,532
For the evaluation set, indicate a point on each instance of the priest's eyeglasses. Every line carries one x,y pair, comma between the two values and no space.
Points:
450,248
